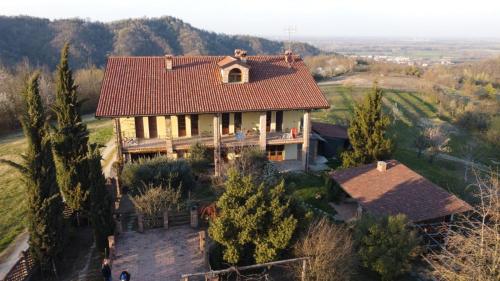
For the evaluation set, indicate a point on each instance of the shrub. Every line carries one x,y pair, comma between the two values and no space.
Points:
153,201
386,245
158,171
474,121
330,250
200,158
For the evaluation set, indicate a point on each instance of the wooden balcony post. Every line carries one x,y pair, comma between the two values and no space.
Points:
217,144
305,143
262,131
119,141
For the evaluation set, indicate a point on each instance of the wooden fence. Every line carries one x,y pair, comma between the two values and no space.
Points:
23,269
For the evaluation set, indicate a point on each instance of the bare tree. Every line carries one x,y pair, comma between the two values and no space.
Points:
473,248
330,249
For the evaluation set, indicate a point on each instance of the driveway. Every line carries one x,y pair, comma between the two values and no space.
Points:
158,254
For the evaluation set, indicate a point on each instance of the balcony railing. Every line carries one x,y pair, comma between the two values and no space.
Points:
162,143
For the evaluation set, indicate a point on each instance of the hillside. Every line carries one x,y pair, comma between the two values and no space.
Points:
40,40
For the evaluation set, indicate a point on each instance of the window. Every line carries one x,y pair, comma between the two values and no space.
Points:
279,121
153,131
225,123
275,152
237,121
139,128
194,125
234,75
268,121
181,124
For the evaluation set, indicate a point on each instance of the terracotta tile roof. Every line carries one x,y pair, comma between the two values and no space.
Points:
398,190
330,130
142,86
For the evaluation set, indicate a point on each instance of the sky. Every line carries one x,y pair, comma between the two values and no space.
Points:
310,18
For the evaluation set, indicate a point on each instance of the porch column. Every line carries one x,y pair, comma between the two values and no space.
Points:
217,144
262,131
119,142
306,135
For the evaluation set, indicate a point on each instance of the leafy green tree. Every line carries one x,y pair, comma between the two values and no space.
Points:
70,139
45,221
367,132
101,202
254,222
386,245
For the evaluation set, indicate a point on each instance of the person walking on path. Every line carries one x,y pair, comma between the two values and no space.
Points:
106,270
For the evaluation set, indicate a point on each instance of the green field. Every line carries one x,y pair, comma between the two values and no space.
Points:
13,198
406,110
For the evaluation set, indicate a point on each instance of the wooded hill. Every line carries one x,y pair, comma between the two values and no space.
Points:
40,40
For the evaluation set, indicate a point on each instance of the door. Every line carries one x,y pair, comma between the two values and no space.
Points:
153,130
194,125
139,128
225,123
237,121
279,121
275,152
181,124
268,121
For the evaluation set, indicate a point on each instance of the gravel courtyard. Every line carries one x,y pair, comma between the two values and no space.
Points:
158,254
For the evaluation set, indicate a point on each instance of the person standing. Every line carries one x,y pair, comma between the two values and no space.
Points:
106,270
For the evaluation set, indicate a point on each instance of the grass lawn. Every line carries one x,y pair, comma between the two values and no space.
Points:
13,199
407,109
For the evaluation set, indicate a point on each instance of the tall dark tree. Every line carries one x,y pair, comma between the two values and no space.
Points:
367,132
70,139
101,215
45,221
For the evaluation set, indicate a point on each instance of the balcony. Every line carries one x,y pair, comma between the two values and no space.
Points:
164,144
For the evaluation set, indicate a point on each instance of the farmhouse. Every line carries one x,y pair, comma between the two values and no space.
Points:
163,105
391,188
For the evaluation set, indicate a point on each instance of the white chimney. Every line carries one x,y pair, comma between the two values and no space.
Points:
168,62
381,166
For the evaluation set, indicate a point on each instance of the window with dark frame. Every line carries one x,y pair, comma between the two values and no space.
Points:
279,121
153,130
268,121
139,127
234,75
194,124
181,124
225,123
237,121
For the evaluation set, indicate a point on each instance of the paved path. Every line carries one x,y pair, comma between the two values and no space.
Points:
158,254
108,157
10,255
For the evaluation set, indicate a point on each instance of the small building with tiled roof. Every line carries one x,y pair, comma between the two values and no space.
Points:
391,188
165,104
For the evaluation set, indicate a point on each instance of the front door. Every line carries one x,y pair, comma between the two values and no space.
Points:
279,121
153,131
225,123
181,122
275,152
139,128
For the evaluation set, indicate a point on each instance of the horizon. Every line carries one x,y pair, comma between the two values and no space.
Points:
350,19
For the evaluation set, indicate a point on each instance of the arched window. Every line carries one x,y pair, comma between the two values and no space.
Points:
235,75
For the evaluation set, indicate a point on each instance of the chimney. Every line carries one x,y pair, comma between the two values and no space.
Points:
241,54
168,62
289,57
381,166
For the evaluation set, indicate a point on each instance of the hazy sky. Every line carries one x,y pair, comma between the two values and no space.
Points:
387,18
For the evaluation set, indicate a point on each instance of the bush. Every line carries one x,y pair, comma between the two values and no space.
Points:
200,158
330,250
386,245
153,201
474,121
158,171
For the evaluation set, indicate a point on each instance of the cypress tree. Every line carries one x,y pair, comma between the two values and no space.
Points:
101,215
70,139
45,221
367,132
